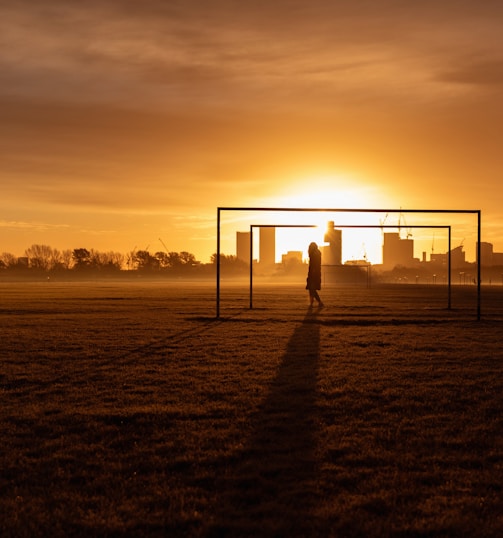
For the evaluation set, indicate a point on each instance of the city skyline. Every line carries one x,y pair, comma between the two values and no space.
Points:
395,249
126,122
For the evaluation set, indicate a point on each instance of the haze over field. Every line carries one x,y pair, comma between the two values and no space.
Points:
122,122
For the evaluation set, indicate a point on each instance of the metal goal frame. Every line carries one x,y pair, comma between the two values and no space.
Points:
476,212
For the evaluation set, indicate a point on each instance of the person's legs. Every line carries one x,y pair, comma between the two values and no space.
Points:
317,297
313,295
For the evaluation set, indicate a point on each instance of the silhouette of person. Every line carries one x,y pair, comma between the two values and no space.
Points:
313,281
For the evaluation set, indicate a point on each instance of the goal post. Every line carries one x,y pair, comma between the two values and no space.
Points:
476,212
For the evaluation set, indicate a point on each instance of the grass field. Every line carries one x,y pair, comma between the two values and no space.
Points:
129,410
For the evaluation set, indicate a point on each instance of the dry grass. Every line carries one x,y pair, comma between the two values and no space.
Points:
130,410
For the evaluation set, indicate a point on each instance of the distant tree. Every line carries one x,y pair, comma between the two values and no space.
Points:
110,261
130,260
180,261
8,260
224,259
66,259
186,258
41,257
56,260
115,260
163,259
145,261
230,264
46,258
174,261
81,258
95,259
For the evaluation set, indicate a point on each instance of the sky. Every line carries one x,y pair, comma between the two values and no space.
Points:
124,123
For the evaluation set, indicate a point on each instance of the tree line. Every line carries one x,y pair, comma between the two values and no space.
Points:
45,259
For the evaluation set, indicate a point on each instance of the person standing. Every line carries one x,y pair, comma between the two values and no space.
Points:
313,281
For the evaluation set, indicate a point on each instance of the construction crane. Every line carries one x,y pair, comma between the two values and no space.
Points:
401,217
165,247
381,224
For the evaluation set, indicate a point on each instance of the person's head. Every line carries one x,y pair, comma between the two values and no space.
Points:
313,247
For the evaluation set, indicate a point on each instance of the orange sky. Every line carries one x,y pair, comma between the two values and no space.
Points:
123,122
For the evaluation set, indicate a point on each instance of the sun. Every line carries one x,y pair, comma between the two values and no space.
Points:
317,198
325,192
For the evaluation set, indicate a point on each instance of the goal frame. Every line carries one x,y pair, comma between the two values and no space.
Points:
476,212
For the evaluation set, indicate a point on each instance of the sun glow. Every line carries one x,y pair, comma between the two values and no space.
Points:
320,197
327,192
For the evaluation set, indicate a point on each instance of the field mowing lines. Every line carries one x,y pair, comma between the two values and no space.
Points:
193,329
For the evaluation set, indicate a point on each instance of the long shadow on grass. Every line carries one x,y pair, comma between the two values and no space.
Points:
269,488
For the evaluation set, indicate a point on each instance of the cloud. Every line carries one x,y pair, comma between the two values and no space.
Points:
128,104
162,54
36,226
484,73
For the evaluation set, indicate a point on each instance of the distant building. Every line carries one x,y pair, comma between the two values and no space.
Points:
438,258
243,246
457,257
486,253
332,254
497,258
292,256
397,251
488,257
267,246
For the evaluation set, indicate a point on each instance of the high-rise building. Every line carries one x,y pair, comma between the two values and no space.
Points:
332,254
267,246
243,246
397,251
